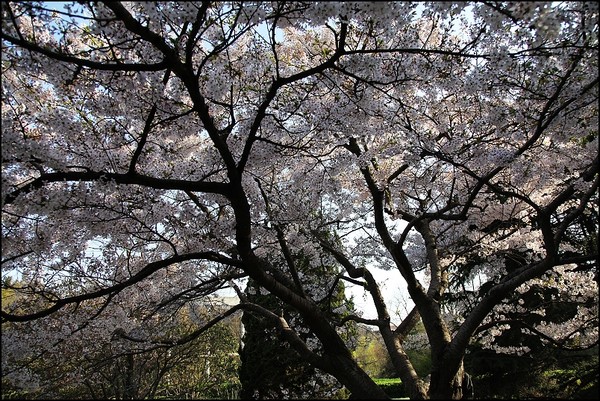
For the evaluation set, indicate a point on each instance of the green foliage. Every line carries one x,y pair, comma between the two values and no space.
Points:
203,368
211,368
554,374
270,368
419,353
421,360
371,355
393,387
373,358
579,382
8,294
266,361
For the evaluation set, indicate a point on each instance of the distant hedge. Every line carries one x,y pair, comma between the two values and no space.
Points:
392,387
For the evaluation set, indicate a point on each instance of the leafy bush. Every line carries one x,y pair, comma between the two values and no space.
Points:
555,374
392,387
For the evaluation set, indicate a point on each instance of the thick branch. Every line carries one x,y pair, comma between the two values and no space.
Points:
147,271
96,65
132,179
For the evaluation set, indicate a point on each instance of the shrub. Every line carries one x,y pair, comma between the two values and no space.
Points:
392,387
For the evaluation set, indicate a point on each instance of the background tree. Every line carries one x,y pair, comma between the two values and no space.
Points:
177,147
269,368
521,351
371,355
87,362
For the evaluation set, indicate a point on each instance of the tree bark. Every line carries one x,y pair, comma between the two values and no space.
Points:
445,385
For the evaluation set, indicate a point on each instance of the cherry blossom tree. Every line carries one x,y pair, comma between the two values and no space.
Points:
75,354
154,153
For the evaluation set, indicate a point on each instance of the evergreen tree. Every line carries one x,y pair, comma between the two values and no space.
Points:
269,368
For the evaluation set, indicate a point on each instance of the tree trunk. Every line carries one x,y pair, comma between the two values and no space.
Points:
412,383
129,390
355,379
444,386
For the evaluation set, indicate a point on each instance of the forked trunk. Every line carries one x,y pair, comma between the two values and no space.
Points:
447,387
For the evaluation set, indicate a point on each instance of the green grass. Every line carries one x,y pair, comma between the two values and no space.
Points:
393,387
387,381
